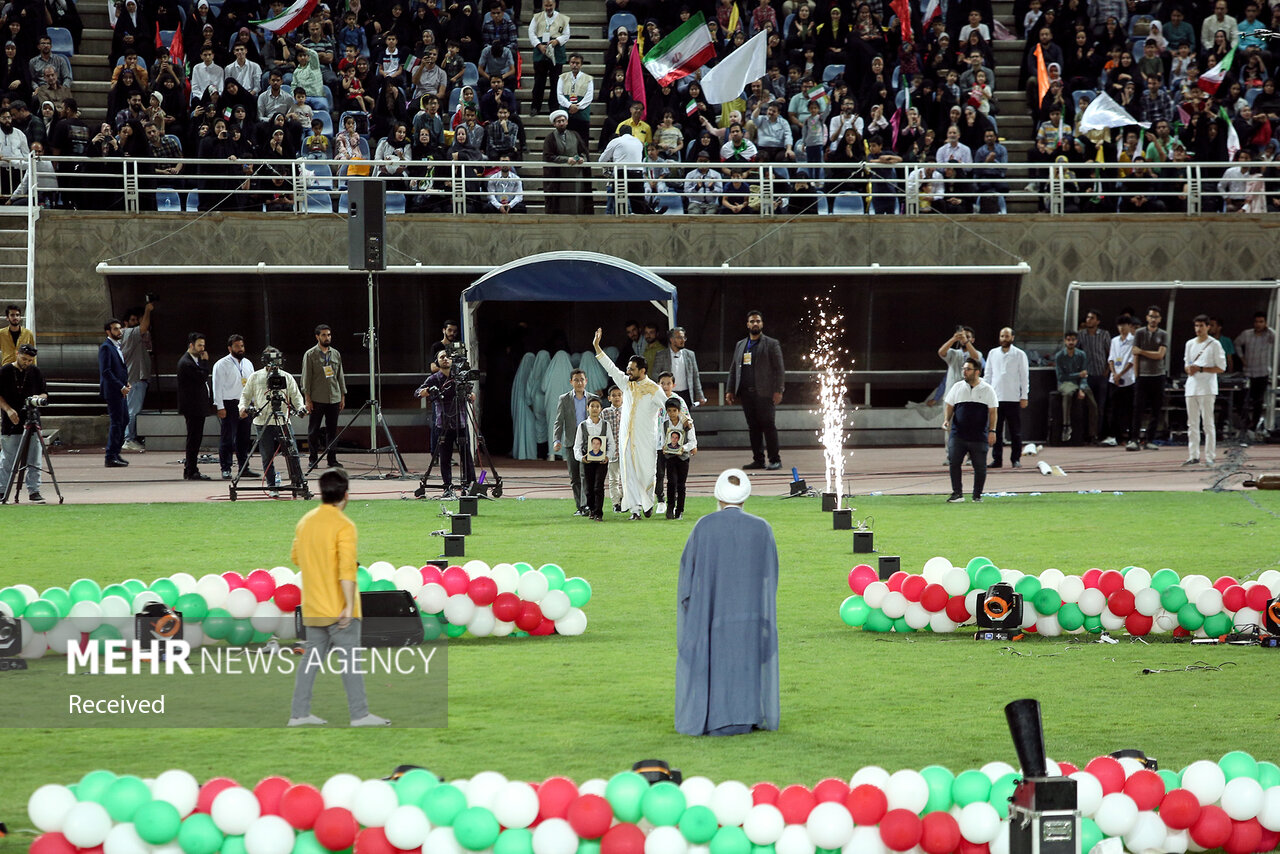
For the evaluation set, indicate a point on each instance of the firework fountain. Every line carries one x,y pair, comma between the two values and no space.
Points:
828,358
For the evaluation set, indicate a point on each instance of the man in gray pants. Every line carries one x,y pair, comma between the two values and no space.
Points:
572,412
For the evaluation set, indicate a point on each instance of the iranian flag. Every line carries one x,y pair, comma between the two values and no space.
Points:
682,52
290,19
1212,79
933,10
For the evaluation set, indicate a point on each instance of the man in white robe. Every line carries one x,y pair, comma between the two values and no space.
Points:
642,403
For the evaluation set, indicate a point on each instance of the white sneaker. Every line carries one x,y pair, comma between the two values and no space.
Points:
309,720
1110,441
274,493
662,507
133,446
371,720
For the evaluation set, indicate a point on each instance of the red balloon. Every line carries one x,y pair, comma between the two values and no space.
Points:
546,627
1223,583
1067,769
862,575
300,805
867,804
555,796
939,833
913,588
967,847
1110,581
482,590
1138,624
1109,771
1180,632
590,816
622,839
1245,838
764,793
506,607
234,579
1270,840
97,849
530,616
1234,598
1091,577
895,581
1212,829
51,843
373,840
901,829
261,583
1179,809
1146,788
432,575
934,598
288,597
831,789
456,580
268,792
1256,596
1121,603
211,790
795,803
956,610
336,828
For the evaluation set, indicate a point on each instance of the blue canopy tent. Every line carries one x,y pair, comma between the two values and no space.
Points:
564,277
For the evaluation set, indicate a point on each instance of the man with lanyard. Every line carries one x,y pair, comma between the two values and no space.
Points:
757,379
972,409
1150,343
451,421
324,387
548,32
230,375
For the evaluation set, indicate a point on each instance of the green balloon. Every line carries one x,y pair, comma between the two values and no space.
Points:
588,846
382,586
878,621
60,599
763,849
233,845
1090,834
455,631
1093,625
1163,579
1070,617
698,824
134,586
218,623
625,793
514,840
970,787
578,591
1047,601
192,607
940,781
42,615
306,843
413,785
1217,625
1189,618
124,796
261,637
85,590
443,803
431,626
199,835
475,828
663,804
730,840
241,633
972,568
1028,586
854,611
1171,779
900,626
93,786
554,574
14,599
100,635
157,822
117,590
522,567
1001,791
363,579
1173,598
986,576
166,590
1268,774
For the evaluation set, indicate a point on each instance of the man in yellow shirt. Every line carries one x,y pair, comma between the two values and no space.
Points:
639,127
324,548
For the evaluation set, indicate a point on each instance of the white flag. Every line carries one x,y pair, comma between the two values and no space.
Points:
1104,112
729,79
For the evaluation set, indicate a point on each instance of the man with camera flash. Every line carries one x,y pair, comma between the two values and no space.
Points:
21,383
272,394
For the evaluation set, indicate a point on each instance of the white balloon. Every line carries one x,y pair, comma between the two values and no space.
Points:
941,624
894,605
48,807
482,622
555,604
1269,814
865,840
516,805
1117,814
1129,765
459,609
86,824
241,603
1247,616
1205,780
145,598
407,827
1000,845
956,581
979,822
34,644
1165,621
1175,842
1209,602
1137,579
1194,585
482,790
408,578
572,624
214,589
431,598
1088,793
971,601
1147,601
63,633
698,791
1051,578
871,775
124,839
477,568
1092,602
340,790
731,802
764,824
185,581
506,576
501,629
661,840
906,789
281,575
1271,578
829,825
1110,621
1049,626
875,593
270,834
374,802
234,809
31,594
1071,588
1029,617
381,570
555,836
532,586
117,607
794,840
1242,798
285,628
917,617
997,769
1010,576
442,841
1148,831
86,615
177,787
935,569
266,617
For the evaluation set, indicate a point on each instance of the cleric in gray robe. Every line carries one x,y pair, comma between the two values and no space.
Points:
726,620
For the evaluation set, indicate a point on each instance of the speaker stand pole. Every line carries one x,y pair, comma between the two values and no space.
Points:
376,420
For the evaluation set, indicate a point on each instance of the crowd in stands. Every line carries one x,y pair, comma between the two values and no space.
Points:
851,93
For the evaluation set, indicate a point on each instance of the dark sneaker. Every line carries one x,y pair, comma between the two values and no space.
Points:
35,498
753,466
773,466
955,499
977,499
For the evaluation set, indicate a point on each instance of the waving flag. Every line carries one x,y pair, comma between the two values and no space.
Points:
1212,79
681,53
635,79
1104,112
290,19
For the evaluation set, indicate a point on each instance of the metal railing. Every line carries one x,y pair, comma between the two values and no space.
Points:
767,189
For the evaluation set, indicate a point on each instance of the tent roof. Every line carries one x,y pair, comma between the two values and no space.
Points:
570,277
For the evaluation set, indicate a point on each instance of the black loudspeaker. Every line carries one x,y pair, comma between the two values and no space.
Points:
889,564
388,618
469,504
10,635
366,224
461,523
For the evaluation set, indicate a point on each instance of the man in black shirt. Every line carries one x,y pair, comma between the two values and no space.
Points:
20,380
194,400
756,380
450,421
71,137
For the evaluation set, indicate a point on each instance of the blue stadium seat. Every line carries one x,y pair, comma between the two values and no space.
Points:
470,74
395,203
847,204
166,37
455,98
326,122
175,139
623,19
193,201
1251,94
673,203
62,43
167,200
342,204
320,203
831,72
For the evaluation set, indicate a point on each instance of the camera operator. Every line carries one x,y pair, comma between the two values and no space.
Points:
449,396
21,384
272,395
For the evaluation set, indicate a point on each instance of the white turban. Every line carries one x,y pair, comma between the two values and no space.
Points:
729,492
557,114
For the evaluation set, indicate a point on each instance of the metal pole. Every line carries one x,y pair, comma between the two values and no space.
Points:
372,336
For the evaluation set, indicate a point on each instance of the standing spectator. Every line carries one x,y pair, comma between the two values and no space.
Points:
757,379
1150,345
575,91
1072,369
1009,375
971,425
113,385
1256,347
324,389
19,380
193,401
1096,344
683,365
548,33
230,375
679,443
569,179
593,448
571,412
451,421
1122,376
1203,360
15,336
135,344
1228,346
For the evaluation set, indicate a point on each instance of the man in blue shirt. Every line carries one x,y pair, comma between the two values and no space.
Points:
971,423
1072,367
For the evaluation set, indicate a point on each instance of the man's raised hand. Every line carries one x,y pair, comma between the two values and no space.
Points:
595,342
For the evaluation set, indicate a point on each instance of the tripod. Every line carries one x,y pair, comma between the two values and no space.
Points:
481,456
279,423
20,465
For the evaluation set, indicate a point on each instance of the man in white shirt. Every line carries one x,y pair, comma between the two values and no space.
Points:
625,148
1203,359
1010,375
245,71
230,375
955,150
548,33
1220,20
683,365
206,76
1121,375
703,186
506,192
575,92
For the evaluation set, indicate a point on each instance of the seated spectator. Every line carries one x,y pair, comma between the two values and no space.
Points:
52,90
117,96
975,25
704,143
299,115
278,146
428,119
506,192
669,137
737,148
475,132
850,157
703,186
498,95
1053,131
15,73
131,62
454,63
346,144
310,76
868,33
953,150
316,144
763,17
389,111
133,111
973,128
234,96
502,137
1219,21
467,100
350,34
351,96
990,179
1177,32
428,78
773,135
206,74
735,193
395,147
1082,64
1133,191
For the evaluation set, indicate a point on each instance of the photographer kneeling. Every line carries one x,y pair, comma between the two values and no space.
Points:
449,397
22,389
272,395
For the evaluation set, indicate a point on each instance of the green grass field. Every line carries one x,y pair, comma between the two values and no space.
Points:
589,706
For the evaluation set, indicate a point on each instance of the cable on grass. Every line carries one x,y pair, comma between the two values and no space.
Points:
1197,667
